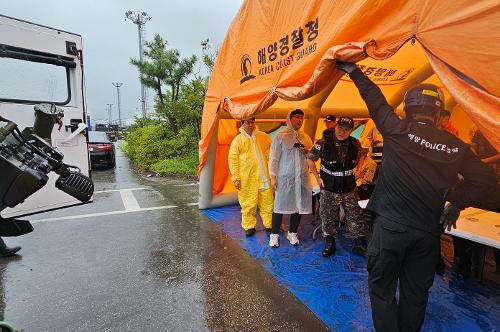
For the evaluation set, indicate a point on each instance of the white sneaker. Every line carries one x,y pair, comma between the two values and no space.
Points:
274,240
292,237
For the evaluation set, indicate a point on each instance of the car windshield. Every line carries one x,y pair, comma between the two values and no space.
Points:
98,136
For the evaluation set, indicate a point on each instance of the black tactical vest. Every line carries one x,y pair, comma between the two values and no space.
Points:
337,174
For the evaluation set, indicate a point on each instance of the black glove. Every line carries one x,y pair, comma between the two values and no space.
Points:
348,67
449,217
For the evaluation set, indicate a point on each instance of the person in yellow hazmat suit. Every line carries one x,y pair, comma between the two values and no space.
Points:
248,163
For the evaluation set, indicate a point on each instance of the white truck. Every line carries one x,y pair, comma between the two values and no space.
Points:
41,95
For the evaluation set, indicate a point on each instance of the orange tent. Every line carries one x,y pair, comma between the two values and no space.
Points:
280,55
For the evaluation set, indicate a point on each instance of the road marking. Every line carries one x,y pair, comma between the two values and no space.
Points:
185,184
129,201
112,190
90,215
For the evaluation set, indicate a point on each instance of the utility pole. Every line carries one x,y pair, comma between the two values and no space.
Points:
118,85
109,114
140,19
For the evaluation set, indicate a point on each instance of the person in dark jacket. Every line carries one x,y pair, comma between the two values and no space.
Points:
340,153
416,196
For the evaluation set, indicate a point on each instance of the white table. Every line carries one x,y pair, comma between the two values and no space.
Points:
479,226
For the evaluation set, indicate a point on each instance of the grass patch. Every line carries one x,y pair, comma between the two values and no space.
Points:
177,165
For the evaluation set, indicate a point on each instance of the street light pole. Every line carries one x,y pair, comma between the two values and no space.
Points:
118,85
140,19
109,114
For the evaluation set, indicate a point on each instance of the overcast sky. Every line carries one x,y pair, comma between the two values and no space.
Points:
109,41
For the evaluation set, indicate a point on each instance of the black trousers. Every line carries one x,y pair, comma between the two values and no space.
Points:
400,253
278,218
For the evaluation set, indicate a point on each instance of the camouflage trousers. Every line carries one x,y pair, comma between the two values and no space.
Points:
329,205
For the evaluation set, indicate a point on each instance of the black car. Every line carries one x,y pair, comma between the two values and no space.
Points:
101,149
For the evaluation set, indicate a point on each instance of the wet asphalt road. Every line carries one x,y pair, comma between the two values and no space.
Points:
140,258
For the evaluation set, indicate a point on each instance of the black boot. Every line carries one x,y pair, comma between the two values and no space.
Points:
250,231
359,247
6,251
329,246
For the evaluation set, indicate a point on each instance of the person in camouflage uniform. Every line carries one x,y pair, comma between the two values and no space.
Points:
339,154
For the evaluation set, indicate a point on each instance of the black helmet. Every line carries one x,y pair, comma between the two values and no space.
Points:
424,98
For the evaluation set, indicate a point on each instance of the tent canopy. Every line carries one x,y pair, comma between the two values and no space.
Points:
280,55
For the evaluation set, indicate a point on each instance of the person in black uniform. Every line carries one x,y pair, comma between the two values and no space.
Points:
330,122
339,153
412,201
7,251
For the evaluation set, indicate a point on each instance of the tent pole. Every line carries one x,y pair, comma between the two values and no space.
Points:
207,172
418,77
314,109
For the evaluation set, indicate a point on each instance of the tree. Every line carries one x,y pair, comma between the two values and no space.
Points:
164,67
193,96
209,56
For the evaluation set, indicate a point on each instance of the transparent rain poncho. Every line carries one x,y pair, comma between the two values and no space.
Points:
289,166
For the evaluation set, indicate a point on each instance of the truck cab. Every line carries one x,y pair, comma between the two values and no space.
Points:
44,66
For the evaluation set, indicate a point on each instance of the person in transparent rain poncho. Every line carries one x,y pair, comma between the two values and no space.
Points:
288,169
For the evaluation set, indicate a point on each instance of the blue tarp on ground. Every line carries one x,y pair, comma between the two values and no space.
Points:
336,289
